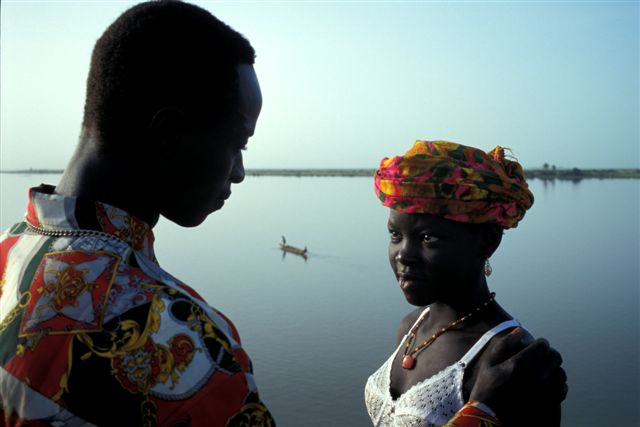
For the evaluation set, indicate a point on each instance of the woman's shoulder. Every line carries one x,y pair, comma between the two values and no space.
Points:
485,353
526,336
407,322
506,327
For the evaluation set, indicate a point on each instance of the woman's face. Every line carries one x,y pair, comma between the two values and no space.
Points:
435,259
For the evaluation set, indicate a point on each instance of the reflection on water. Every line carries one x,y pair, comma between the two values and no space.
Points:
317,329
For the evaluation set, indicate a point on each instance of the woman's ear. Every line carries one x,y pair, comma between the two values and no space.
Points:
491,238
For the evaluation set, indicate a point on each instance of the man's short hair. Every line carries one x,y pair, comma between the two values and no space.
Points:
160,54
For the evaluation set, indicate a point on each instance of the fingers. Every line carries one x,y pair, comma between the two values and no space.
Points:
503,347
558,385
556,355
538,353
542,365
564,387
522,335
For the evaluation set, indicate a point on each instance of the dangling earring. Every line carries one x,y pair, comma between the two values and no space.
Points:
487,268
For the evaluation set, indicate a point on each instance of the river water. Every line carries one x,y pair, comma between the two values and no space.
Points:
316,329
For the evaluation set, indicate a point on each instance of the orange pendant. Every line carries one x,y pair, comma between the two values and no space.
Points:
408,362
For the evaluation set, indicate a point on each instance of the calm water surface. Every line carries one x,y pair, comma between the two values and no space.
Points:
317,329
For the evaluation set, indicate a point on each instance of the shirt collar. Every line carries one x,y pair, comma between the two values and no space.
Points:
52,211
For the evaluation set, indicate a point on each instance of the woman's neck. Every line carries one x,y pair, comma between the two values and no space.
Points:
461,305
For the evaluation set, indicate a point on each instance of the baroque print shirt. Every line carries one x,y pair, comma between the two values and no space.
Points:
94,332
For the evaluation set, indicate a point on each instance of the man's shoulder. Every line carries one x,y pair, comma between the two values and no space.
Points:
74,286
95,314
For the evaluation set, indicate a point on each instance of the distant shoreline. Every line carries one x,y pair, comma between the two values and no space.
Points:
572,174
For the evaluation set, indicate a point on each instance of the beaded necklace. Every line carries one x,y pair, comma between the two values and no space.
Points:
408,359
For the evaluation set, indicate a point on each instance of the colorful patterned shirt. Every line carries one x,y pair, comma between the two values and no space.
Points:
94,332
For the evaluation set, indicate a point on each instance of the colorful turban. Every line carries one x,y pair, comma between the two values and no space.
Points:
455,182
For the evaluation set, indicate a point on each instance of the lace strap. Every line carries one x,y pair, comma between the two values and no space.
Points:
484,339
418,320
406,335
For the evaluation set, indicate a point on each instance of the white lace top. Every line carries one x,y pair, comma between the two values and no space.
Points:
429,403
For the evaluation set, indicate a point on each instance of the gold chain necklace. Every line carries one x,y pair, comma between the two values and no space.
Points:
54,232
408,359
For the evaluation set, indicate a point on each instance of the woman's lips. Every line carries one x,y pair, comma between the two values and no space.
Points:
410,282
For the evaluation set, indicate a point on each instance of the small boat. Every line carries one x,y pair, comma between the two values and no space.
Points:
292,249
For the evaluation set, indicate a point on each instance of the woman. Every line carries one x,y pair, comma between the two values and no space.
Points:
449,206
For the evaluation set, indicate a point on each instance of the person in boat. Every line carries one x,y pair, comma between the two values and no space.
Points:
449,205
292,249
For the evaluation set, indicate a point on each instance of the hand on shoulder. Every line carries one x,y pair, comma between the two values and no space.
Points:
518,376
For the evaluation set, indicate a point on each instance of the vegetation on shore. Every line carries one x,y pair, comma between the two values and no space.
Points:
33,171
578,174
545,173
310,172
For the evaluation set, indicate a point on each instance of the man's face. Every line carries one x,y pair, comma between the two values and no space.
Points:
208,158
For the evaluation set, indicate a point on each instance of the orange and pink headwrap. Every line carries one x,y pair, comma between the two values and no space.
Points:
455,182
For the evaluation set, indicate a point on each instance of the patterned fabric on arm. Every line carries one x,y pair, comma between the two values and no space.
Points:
87,312
474,414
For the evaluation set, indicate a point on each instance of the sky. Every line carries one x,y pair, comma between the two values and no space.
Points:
347,83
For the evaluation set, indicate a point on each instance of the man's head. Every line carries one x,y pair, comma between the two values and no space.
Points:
156,55
173,87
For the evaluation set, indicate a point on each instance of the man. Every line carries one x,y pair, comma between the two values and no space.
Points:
92,330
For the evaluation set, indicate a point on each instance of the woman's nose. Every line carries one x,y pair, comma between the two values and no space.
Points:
237,171
406,253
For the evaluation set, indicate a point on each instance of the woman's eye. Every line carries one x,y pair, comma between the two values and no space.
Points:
428,238
395,236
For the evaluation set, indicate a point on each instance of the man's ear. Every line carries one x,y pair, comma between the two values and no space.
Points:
165,128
